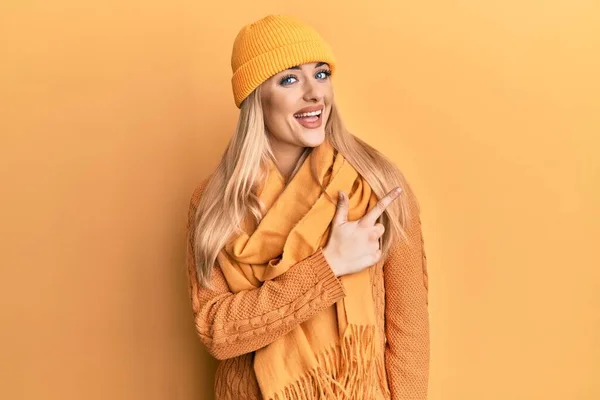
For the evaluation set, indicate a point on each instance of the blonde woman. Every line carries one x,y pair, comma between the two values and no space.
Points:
307,270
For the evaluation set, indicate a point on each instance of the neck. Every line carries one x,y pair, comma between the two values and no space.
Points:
288,159
289,162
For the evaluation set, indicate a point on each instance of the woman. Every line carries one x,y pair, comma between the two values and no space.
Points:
307,276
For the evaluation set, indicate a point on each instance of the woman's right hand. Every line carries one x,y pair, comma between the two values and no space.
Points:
354,246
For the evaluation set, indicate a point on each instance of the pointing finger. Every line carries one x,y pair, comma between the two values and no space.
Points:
371,216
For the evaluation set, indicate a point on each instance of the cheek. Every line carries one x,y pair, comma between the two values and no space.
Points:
278,122
329,95
279,108
281,115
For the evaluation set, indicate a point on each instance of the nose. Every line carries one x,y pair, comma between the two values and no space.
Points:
313,90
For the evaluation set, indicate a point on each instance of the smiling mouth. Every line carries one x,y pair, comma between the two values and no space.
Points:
311,116
310,120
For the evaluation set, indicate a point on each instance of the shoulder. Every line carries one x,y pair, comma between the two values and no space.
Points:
408,197
412,202
396,176
197,193
195,200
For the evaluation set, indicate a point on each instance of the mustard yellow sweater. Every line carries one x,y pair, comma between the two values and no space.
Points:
399,285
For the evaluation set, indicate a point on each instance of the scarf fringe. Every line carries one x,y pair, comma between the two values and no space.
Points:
349,371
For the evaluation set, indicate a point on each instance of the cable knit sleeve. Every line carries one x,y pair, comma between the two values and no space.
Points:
406,313
231,324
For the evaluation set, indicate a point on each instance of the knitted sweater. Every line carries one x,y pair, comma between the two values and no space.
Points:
399,286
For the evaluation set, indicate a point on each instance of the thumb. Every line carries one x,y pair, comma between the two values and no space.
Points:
341,212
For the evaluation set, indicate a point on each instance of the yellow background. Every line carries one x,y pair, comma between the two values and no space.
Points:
112,111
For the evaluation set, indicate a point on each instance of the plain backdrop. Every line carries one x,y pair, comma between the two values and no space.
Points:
112,112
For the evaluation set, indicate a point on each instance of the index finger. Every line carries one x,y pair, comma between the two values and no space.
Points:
371,216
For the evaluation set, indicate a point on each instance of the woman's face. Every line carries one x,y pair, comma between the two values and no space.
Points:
287,96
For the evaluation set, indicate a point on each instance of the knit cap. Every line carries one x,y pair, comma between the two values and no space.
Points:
270,45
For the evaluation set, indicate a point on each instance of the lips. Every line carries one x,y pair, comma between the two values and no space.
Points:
309,109
310,117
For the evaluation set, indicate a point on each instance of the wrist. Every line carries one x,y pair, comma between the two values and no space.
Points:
330,260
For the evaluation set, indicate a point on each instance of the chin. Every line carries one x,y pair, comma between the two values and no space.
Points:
312,138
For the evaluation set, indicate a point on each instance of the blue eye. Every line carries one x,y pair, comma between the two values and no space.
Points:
325,72
284,80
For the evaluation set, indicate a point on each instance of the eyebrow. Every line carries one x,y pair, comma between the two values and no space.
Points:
316,66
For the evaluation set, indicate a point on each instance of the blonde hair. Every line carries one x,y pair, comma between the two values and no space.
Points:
231,190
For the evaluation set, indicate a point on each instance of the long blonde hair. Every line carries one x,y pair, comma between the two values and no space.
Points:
231,190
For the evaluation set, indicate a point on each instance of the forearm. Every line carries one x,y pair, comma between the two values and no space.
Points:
233,324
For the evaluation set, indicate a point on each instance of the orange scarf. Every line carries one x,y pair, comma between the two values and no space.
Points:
337,359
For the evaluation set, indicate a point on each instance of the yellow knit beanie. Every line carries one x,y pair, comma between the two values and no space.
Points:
271,45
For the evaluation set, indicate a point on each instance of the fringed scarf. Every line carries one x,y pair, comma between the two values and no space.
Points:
324,357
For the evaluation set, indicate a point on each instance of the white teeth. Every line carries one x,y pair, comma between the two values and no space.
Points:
308,114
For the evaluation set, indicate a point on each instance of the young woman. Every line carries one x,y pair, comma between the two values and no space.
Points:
307,270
